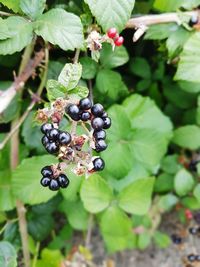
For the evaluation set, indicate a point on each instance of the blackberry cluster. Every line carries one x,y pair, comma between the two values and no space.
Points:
194,230
52,181
54,138
193,258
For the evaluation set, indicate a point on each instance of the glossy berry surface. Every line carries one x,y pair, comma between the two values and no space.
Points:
47,171
45,181
97,110
112,32
64,138
191,257
177,240
104,115
73,112
97,123
193,21
100,145
63,180
193,231
46,127
119,41
107,123
99,134
52,148
53,134
85,116
85,103
99,164
54,185
45,140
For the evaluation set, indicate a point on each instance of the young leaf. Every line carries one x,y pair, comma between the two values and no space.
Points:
55,90
187,137
136,197
12,4
21,32
8,255
26,180
95,194
140,67
70,75
89,68
113,13
32,8
183,182
78,92
60,28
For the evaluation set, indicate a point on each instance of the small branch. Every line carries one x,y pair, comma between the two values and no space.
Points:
90,90
36,254
2,13
76,56
89,231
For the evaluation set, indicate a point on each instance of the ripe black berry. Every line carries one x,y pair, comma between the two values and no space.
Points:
177,240
97,123
73,111
46,127
64,138
63,180
100,145
193,21
47,171
99,134
54,185
193,165
197,257
191,257
107,123
97,110
85,116
85,103
193,231
52,148
45,140
45,181
53,134
99,164
104,115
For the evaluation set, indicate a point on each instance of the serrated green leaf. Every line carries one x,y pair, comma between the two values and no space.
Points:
8,255
89,68
78,92
183,182
187,137
11,4
26,180
7,201
113,59
60,28
136,197
55,90
70,75
21,34
114,13
95,194
32,8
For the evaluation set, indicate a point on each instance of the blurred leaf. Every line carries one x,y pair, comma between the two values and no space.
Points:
140,67
112,59
60,28
95,194
111,14
183,182
196,192
167,202
89,68
160,31
172,5
78,93
144,240
8,255
187,137
26,180
54,69
11,4
170,164
190,203
161,240
50,258
32,8
136,197
164,183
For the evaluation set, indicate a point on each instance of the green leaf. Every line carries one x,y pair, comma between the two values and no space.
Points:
196,192
50,258
190,203
144,113
136,197
8,255
76,214
70,75
189,60
78,93
21,35
144,240
140,67
112,59
167,202
11,4
89,68
32,8
160,31
164,183
54,69
172,5
26,180
161,240
55,90
187,137
183,182
60,28
114,13
7,201
170,164
189,87
109,83
95,194
116,229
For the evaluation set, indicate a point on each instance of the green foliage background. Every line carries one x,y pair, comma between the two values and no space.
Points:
150,90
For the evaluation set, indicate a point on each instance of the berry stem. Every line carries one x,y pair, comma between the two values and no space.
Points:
36,254
89,231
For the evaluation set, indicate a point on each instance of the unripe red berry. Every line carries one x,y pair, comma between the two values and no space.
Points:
188,214
112,33
119,41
